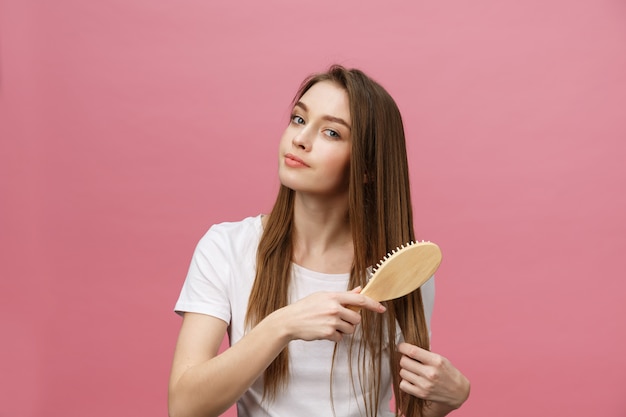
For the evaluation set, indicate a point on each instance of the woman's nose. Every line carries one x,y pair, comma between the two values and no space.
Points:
302,139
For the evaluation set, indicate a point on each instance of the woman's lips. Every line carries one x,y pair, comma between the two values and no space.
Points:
294,162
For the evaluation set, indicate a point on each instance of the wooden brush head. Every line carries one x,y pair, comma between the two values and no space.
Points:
403,271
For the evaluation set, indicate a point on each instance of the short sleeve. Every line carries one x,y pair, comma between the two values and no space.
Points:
206,286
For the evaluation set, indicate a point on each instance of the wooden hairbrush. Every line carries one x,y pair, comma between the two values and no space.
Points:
403,270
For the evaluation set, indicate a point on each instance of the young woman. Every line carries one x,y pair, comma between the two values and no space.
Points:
281,285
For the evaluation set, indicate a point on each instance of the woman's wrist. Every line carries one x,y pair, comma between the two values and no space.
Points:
463,394
465,387
278,324
441,409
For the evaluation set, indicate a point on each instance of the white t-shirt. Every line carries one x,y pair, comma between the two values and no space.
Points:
218,284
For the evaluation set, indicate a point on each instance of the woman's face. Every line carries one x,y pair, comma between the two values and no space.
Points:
314,152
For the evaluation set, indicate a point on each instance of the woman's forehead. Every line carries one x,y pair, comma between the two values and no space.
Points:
326,97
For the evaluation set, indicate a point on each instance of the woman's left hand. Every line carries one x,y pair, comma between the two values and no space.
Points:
431,377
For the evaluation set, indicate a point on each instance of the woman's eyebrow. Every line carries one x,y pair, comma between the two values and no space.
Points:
325,117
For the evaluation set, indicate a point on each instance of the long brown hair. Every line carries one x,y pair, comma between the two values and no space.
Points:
381,219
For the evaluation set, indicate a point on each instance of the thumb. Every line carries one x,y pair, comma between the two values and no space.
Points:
356,290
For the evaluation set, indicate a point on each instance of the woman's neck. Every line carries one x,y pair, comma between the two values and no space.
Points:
322,235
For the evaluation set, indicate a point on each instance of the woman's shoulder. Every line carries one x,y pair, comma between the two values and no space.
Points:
234,233
247,224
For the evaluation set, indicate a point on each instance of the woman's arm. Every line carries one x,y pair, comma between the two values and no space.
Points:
203,383
432,377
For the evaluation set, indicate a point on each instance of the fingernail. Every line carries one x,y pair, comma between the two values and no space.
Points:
382,308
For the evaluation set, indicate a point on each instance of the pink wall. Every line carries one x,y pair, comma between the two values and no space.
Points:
128,127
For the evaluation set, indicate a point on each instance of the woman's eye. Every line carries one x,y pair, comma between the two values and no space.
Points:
333,134
297,119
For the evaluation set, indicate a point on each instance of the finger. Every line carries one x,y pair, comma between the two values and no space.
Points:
333,330
417,353
412,365
335,336
356,290
411,378
344,327
414,390
416,384
350,316
361,301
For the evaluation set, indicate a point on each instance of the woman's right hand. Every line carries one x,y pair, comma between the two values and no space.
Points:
325,315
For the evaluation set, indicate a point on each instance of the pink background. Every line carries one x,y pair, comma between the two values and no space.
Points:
128,127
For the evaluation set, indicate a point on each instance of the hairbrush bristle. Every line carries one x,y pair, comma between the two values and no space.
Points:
388,255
